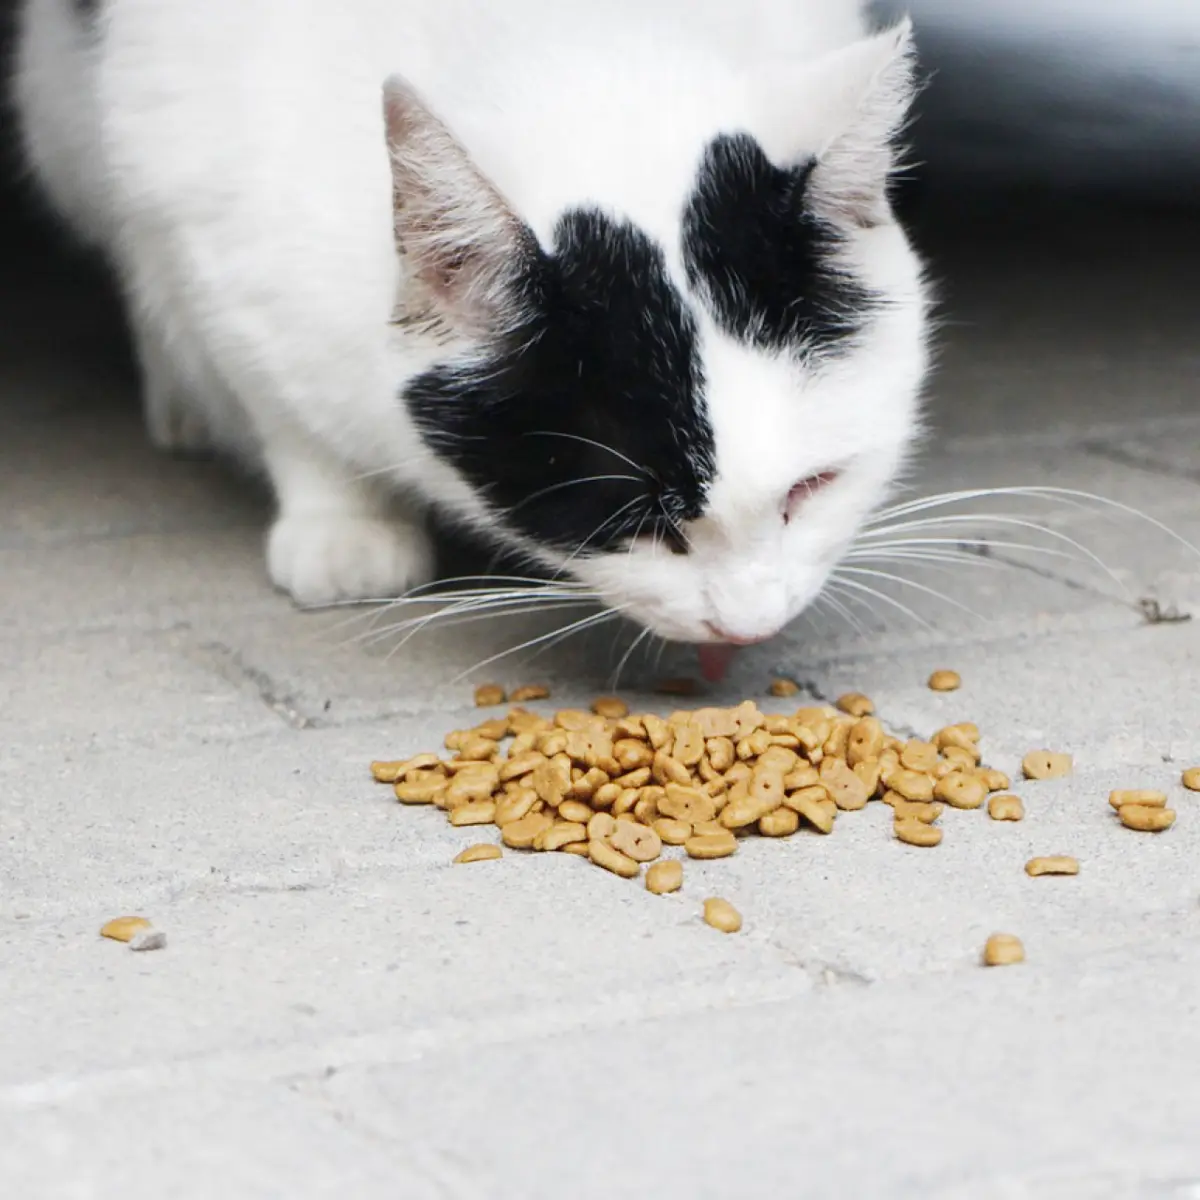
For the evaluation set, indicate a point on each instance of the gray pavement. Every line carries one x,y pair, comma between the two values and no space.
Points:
339,1012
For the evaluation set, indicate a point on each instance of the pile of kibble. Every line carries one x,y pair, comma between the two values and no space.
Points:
617,787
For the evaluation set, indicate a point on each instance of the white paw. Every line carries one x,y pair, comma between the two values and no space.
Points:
319,560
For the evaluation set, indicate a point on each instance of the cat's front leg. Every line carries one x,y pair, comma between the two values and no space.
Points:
335,538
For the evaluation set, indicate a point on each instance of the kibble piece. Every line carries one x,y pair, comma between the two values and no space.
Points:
996,781
1003,950
578,848
1143,796
711,845
783,688
672,832
521,835
514,806
488,695
530,691
912,785
865,741
945,681
419,791
687,804
1006,808
720,914
916,810
638,841
809,803
474,812
664,877
123,929
917,833
611,708
604,855
1146,819
960,790
1054,864
575,811
856,704
1046,764
560,835
783,822
601,826
919,756
1191,779
480,852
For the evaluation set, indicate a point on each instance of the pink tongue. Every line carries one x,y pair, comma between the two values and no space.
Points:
715,658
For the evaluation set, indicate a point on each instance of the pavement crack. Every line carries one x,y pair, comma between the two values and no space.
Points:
233,667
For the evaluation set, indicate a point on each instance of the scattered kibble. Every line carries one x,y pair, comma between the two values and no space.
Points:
124,929
945,681
1053,864
1003,950
1146,819
1191,779
1146,797
664,877
623,789
1046,764
1006,808
488,695
480,852
856,704
720,914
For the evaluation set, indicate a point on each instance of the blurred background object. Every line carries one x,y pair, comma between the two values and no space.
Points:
1101,96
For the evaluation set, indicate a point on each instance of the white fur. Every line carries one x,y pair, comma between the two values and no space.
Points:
230,156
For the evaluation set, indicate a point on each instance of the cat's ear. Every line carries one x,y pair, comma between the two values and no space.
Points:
464,247
847,111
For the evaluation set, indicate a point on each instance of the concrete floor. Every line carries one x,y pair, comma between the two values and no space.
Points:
339,1012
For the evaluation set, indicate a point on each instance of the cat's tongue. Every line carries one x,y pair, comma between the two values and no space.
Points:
715,658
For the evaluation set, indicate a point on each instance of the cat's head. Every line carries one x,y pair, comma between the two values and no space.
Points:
694,422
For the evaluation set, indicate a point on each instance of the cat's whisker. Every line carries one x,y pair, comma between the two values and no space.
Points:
843,610
866,589
872,573
558,635
556,487
609,520
615,680
950,519
575,437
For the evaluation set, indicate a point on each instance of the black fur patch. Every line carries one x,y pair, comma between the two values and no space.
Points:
604,380
763,263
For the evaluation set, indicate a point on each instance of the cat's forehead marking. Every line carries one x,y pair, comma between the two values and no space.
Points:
766,268
596,406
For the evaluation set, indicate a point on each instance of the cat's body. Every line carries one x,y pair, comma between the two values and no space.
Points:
634,289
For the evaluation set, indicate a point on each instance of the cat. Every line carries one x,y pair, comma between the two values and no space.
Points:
618,285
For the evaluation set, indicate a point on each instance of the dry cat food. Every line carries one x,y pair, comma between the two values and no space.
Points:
1046,764
1052,864
627,791
1191,779
136,932
720,914
1003,950
945,681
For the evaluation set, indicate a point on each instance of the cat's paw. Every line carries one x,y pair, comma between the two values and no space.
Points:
322,559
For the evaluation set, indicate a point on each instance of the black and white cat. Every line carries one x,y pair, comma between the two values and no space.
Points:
616,283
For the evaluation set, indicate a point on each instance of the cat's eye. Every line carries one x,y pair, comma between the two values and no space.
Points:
805,489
